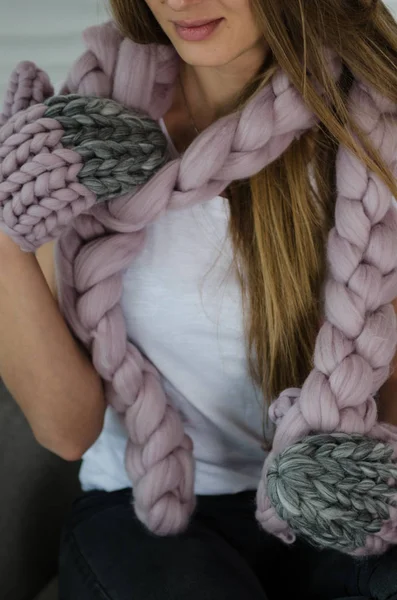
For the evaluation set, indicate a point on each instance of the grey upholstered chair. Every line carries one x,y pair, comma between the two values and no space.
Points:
37,488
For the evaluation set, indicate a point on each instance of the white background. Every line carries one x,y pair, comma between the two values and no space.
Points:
48,32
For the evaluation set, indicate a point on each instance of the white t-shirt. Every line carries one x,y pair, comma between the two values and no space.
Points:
182,304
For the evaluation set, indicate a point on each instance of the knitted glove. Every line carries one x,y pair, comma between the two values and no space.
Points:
61,155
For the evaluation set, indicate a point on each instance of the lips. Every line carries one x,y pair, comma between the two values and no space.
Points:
196,31
197,23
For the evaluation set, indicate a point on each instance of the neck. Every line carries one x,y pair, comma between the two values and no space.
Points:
209,90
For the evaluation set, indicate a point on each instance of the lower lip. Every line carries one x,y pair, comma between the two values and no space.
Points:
197,34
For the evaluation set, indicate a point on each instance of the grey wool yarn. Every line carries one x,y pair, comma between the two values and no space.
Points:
121,149
309,481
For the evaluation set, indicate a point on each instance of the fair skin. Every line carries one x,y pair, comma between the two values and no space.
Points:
212,72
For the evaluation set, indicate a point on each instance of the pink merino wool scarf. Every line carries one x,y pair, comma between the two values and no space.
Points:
331,475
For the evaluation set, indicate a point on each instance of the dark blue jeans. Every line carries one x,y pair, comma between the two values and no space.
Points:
106,554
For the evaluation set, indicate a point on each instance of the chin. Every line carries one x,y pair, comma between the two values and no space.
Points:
204,61
197,55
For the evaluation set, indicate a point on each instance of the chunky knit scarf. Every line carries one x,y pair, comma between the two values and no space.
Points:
90,168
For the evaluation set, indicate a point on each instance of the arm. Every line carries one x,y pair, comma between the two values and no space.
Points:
49,375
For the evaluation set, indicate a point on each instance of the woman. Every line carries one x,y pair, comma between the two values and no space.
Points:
264,237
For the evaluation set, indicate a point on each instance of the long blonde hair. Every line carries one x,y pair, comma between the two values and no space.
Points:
279,221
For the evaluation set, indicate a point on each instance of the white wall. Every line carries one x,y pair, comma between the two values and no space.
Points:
48,32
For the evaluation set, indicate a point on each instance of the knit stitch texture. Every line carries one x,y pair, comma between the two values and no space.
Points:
90,169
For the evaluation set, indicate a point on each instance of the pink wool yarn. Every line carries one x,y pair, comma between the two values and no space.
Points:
41,199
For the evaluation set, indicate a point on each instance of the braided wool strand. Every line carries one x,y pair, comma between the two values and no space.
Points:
62,159
356,343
